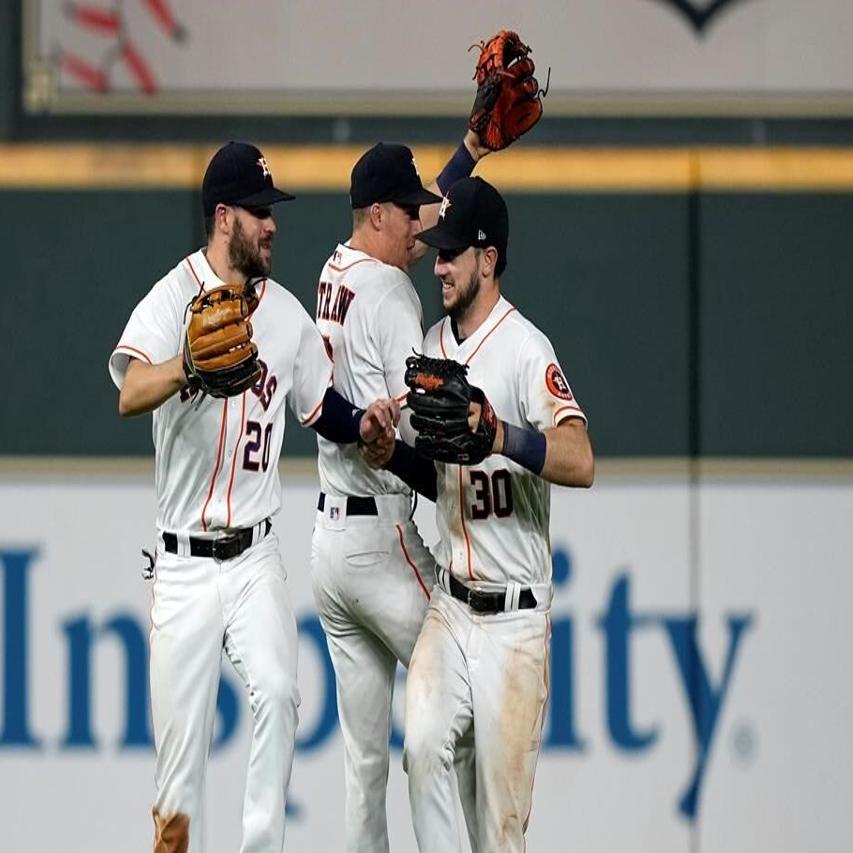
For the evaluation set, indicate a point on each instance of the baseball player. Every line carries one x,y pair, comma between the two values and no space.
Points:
481,662
219,584
371,572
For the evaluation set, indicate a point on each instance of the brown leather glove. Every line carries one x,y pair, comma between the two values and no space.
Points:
220,357
509,100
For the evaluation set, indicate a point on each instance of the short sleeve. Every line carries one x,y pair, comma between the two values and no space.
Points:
545,395
153,333
400,331
312,371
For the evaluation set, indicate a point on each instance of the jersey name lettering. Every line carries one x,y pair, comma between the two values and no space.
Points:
329,309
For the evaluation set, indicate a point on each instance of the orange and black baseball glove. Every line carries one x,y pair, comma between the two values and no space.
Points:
440,397
220,357
509,100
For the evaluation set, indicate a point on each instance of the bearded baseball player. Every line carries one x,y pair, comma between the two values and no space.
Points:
371,572
216,349
497,422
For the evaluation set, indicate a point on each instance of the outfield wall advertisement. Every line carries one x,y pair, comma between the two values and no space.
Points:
375,56
701,695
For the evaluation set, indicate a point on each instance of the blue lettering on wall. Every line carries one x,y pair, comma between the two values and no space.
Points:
80,633
705,702
15,714
617,624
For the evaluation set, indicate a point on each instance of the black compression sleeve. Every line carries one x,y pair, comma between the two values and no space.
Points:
415,471
339,419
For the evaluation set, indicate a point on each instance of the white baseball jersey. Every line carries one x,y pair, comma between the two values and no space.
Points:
217,463
371,318
493,517
372,574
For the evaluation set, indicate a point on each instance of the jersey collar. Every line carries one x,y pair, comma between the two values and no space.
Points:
204,271
466,350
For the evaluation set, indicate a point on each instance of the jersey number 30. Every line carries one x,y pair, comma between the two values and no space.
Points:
493,494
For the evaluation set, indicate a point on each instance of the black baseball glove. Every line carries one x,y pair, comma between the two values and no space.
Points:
439,397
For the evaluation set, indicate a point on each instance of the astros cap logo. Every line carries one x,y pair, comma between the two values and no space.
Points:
445,203
262,162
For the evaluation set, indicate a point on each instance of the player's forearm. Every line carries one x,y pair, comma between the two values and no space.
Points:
417,473
459,166
147,386
562,455
569,459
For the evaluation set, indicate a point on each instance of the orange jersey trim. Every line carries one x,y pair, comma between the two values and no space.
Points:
195,276
409,561
313,415
464,527
508,312
234,460
218,462
565,409
441,339
135,351
263,291
354,263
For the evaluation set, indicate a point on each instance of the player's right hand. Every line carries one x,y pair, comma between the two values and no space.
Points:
378,421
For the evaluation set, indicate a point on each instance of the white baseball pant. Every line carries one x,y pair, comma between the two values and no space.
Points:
489,673
202,607
372,575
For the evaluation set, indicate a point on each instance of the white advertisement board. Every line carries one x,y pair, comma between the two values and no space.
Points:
375,56
700,688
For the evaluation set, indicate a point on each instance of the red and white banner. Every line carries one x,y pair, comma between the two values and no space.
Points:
324,56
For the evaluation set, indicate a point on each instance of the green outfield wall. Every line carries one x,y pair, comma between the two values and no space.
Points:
690,320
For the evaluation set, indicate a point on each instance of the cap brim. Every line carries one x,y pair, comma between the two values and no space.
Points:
266,197
441,238
421,196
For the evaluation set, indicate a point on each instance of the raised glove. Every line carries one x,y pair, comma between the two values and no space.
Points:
439,397
220,357
509,100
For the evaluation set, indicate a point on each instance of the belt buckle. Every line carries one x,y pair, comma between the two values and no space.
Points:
223,548
475,601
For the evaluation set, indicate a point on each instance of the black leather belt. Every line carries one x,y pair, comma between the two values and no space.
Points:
224,548
488,602
355,505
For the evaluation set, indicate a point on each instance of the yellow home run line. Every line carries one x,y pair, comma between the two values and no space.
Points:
319,168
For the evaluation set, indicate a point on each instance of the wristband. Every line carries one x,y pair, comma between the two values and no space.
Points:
459,166
525,446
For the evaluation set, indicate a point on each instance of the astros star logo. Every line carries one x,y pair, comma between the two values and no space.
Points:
262,162
445,203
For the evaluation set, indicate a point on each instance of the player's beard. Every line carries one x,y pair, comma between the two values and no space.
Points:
464,298
244,257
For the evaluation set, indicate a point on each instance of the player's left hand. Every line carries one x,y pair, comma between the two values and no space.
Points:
220,358
508,101
441,398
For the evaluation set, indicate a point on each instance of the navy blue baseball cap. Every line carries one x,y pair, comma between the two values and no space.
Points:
388,173
239,174
472,214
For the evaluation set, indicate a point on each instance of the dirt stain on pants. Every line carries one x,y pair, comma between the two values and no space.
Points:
171,832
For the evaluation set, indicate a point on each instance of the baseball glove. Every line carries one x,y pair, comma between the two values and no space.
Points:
509,100
220,357
439,397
